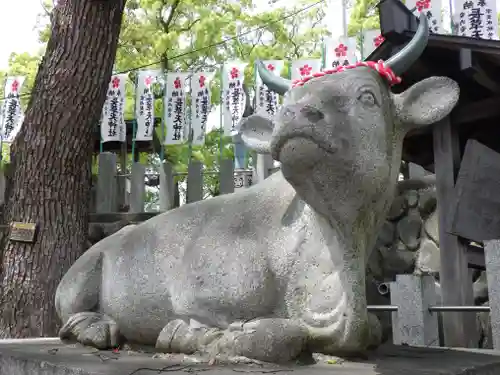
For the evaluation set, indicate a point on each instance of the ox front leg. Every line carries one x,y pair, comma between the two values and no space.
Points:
333,308
269,340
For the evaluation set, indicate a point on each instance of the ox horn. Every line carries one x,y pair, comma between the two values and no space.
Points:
274,82
401,61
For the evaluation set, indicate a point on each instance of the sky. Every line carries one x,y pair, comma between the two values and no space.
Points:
18,18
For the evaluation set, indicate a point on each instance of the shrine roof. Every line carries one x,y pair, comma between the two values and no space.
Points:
473,63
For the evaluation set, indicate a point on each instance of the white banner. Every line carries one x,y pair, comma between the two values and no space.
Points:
234,97
371,40
113,127
200,105
304,68
476,18
144,105
432,9
175,108
266,99
12,113
340,51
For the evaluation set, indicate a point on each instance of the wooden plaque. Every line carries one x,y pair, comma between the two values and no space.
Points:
475,206
22,232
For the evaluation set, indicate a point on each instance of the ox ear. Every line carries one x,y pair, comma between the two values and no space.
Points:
256,131
426,102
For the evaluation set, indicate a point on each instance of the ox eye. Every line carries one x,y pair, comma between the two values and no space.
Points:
367,98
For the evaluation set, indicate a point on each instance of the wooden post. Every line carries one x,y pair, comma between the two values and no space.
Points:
166,187
137,188
456,285
226,178
194,182
106,183
121,181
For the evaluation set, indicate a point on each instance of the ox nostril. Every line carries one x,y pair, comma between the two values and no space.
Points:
312,114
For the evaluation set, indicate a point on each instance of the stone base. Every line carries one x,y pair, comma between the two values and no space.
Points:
51,357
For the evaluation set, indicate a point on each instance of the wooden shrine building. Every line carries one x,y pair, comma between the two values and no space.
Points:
463,151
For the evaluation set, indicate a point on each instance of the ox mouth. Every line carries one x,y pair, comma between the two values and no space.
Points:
278,147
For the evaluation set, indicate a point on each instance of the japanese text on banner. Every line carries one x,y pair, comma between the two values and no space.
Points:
113,127
144,105
476,18
339,51
305,68
234,97
200,105
268,100
175,108
12,113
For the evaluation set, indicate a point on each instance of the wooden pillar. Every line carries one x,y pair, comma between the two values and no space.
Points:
121,181
166,187
194,182
106,183
456,285
137,188
226,178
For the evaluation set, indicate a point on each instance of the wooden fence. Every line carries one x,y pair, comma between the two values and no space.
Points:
111,191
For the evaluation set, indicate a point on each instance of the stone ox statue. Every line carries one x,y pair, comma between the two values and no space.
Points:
279,268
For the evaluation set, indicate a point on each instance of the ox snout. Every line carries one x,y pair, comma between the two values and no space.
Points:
297,140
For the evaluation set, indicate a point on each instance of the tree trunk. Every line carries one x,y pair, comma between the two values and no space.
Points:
51,161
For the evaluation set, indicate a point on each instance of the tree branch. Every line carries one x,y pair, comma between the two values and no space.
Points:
167,23
190,26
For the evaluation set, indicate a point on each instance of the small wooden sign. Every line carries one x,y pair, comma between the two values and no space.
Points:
22,232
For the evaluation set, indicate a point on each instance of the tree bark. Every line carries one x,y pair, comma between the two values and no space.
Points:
51,162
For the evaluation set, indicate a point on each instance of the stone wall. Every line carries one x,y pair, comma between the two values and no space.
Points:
409,244
409,240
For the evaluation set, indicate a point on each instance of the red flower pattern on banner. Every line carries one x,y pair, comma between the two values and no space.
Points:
378,40
115,82
423,4
148,80
235,73
177,83
341,50
14,86
202,81
270,67
305,70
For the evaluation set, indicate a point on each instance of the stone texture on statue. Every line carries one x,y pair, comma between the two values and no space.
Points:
278,268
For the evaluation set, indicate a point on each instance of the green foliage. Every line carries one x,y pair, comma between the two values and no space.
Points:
364,16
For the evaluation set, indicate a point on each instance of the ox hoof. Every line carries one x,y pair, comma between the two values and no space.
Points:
267,340
179,337
366,335
92,329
